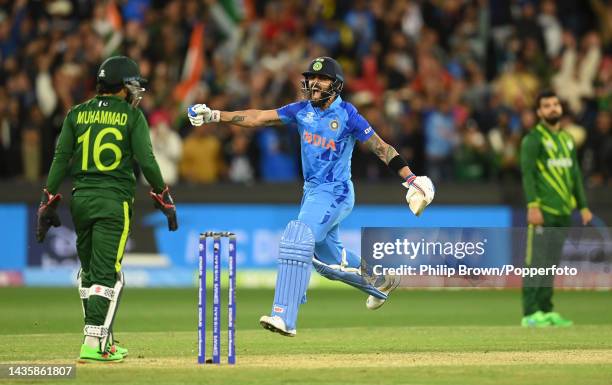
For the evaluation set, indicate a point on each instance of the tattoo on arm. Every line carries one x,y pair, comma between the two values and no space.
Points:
382,149
251,118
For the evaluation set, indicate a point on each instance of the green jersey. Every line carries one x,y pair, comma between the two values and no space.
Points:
551,175
103,137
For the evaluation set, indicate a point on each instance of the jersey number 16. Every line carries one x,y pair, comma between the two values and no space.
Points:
98,147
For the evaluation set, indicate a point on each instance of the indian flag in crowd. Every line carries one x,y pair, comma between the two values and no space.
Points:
194,63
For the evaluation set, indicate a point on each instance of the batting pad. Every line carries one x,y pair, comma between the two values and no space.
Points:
294,268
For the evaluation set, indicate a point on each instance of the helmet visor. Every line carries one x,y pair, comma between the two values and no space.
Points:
135,91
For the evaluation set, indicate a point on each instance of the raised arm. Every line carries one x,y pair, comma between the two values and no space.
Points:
389,155
200,114
420,188
251,118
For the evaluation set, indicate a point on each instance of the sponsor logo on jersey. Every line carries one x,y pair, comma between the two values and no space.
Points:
309,117
319,141
559,162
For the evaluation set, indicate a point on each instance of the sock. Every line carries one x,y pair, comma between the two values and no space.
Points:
92,342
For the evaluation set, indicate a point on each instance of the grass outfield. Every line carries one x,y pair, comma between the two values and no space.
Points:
419,337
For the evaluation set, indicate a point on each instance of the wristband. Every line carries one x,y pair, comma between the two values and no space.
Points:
215,116
410,179
397,163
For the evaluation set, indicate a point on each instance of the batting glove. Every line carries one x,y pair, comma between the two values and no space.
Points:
420,193
47,216
164,202
199,114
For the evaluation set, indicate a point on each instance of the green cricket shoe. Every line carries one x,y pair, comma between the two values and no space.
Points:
536,320
556,320
89,354
114,348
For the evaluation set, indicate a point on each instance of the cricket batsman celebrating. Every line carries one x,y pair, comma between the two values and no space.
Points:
102,137
553,187
328,127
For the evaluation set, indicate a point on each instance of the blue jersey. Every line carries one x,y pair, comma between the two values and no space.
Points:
327,138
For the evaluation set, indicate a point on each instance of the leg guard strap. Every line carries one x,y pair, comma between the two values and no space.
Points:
102,291
98,331
83,292
348,276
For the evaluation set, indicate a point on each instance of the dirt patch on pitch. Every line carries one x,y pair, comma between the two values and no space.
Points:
432,359
379,360
390,360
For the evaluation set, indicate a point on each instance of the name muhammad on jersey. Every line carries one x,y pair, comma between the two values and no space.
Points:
102,117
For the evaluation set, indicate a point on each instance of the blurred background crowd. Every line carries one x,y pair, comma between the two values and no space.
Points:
450,83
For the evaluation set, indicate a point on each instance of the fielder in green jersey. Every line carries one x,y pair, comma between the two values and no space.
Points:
553,187
99,141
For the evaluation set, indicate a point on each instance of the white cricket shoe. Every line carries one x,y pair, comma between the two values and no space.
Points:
276,324
390,283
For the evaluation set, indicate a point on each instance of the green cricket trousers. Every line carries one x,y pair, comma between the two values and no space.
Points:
544,246
102,226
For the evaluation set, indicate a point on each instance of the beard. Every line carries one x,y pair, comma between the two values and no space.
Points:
552,119
317,103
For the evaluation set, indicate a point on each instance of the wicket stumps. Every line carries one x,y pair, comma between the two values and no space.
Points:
216,305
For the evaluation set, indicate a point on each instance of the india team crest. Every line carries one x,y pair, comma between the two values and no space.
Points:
318,64
334,125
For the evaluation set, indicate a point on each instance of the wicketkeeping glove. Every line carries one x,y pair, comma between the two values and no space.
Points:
164,202
47,216
199,114
420,193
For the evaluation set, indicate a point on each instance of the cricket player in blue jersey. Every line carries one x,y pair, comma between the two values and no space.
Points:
328,127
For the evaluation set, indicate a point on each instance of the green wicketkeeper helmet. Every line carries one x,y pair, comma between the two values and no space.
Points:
117,72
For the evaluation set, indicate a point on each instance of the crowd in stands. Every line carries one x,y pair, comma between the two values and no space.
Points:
450,83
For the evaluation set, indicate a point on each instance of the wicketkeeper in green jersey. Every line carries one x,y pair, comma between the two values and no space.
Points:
98,143
553,187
